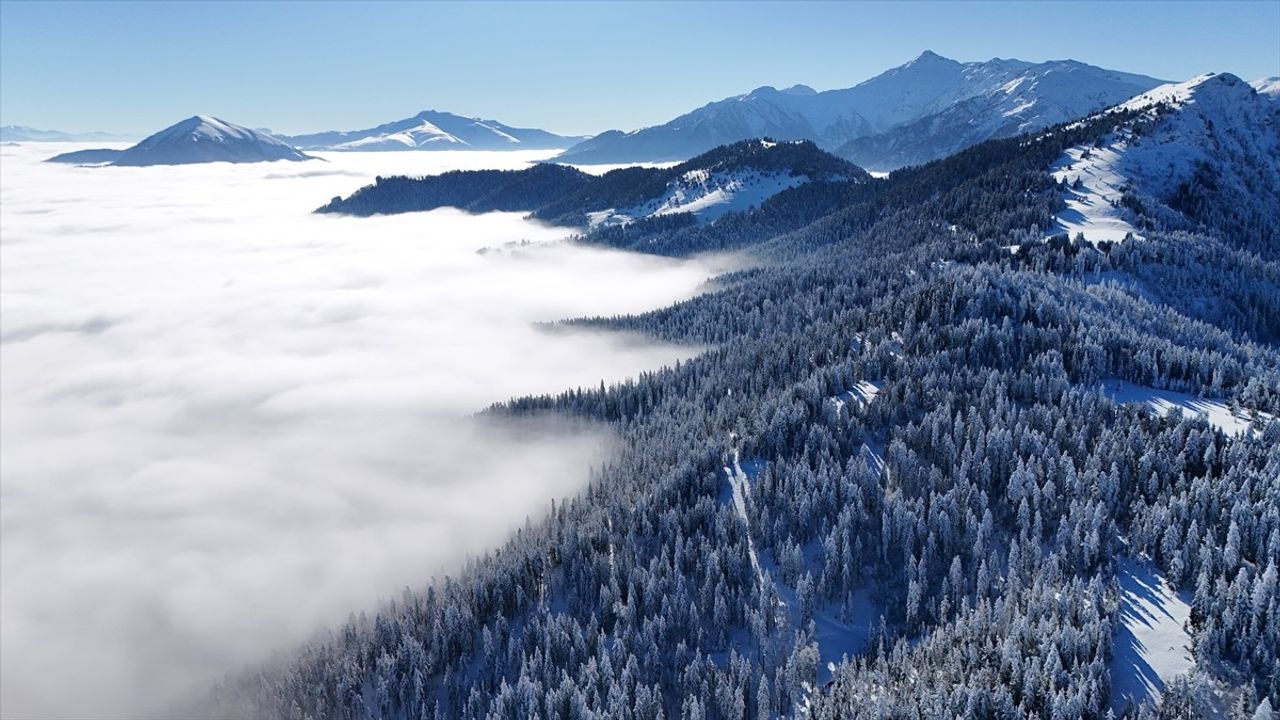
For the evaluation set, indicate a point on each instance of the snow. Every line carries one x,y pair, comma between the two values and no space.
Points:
1216,412
707,195
861,395
838,634
1269,86
1215,120
1092,208
975,99
1174,94
424,134
711,195
1019,108
741,490
1151,645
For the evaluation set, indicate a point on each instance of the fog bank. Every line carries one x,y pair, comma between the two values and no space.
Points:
226,422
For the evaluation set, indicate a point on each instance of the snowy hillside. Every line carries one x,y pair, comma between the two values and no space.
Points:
1269,86
709,193
1213,134
1000,98
927,108
433,130
198,139
732,178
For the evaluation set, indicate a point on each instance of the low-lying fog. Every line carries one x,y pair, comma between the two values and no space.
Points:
227,422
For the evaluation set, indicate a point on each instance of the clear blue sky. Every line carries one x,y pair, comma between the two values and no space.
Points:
571,67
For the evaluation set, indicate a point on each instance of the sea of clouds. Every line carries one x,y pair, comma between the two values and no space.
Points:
226,422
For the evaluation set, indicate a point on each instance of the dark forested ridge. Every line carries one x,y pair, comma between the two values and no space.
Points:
901,484
564,195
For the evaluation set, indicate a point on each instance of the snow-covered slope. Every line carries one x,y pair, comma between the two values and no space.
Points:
1211,135
709,192
720,185
1269,86
432,130
1152,643
1000,98
198,139
928,107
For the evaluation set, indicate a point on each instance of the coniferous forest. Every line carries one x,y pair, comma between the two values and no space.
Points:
902,482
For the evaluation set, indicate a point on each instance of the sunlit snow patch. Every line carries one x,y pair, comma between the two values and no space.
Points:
861,395
1152,645
1216,412
1093,206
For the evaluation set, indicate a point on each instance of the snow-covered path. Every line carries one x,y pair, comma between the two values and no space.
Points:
741,491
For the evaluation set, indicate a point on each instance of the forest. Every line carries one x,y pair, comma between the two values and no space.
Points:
899,484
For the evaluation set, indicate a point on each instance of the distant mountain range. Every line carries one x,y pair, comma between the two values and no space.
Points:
432,130
22,133
732,178
920,111
198,139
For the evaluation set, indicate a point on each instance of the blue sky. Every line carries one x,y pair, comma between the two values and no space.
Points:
571,67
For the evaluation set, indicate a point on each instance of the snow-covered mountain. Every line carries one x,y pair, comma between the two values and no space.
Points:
198,139
927,108
733,179
22,133
1269,86
432,130
1207,149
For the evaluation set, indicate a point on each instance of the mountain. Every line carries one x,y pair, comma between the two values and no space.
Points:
22,133
1205,153
730,178
934,460
1000,98
1269,86
432,130
198,139
923,110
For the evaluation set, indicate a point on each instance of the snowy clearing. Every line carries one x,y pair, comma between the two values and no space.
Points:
1216,412
1093,207
1151,645
861,395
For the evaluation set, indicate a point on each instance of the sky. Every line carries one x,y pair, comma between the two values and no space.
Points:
575,67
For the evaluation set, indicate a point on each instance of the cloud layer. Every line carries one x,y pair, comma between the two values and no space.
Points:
227,422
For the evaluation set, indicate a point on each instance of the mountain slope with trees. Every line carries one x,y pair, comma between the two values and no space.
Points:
722,180
904,424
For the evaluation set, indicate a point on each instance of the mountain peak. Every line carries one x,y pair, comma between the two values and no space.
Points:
929,56
197,139
799,89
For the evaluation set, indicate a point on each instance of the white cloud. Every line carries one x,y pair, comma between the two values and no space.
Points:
227,422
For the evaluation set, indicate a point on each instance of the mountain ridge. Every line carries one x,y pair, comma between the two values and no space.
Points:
435,130
1033,94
